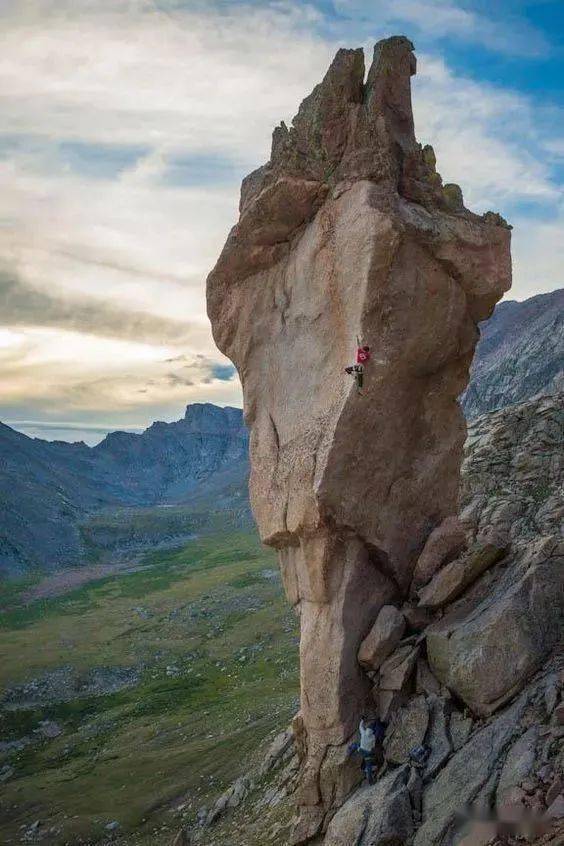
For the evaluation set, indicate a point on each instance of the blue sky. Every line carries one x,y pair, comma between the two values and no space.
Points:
127,127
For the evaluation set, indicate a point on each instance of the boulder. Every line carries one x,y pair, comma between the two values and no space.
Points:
425,680
416,617
376,816
443,544
383,637
555,789
453,579
463,777
438,738
388,702
49,729
485,652
551,693
281,748
231,798
397,670
407,731
518,763
555,811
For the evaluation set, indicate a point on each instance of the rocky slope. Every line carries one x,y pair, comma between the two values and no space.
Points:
348,232
474,670
49,490
520,354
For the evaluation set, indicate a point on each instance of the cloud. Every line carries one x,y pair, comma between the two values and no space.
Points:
50,372
500,146
538,255
108,72
22,305
90,433
437,20
488,139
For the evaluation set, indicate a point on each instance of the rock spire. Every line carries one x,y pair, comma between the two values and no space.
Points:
348,231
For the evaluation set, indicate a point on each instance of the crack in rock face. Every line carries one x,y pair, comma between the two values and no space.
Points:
348,233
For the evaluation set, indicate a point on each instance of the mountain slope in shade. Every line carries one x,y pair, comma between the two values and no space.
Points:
520,354
48,490
168,461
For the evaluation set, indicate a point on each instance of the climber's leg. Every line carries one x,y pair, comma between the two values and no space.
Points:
359,373
367,767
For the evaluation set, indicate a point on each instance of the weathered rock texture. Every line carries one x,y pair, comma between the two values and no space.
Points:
348,231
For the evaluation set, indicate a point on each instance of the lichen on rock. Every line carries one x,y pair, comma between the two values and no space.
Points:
347,233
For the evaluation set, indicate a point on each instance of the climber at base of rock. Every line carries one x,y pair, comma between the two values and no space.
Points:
362,357
370,735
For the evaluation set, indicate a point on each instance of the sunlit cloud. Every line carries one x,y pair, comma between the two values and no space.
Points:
62,370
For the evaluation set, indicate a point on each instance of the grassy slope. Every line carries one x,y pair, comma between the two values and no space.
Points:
172,739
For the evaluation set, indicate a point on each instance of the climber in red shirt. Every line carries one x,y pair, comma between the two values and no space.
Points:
362,358
362,355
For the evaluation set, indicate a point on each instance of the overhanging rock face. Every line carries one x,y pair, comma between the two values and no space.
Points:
349,232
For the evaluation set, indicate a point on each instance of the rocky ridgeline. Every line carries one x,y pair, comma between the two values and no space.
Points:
348,232
50,490
520,354
467,668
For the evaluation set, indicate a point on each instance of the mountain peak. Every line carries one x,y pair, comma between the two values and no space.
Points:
206,417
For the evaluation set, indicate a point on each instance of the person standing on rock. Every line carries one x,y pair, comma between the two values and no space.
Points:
362,357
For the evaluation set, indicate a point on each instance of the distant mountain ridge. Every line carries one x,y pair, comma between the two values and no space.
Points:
48,489
62,502
520,354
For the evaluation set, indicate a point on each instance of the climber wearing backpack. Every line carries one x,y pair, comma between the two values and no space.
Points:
362,358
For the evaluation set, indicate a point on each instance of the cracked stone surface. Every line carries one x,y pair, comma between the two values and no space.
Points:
348,231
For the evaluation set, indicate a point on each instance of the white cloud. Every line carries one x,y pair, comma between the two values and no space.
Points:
69,372
434,20
123,73
485,138
538,256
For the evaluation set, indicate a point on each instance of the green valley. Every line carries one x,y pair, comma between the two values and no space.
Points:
132,701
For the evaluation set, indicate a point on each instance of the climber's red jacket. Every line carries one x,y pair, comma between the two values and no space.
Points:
362,355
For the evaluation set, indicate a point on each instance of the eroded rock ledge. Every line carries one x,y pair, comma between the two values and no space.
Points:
349,232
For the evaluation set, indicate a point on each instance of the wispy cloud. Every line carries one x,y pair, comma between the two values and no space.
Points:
493,26
21,305
487,138
190,79
64,373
